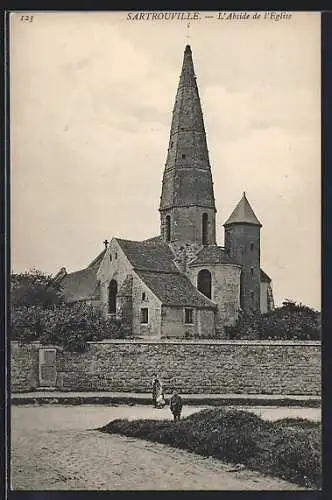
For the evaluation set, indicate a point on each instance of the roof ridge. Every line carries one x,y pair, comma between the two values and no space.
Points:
96,258
157,271
89,269
144,242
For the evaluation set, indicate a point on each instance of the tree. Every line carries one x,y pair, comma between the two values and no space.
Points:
290,321
34,288
68,325
39,313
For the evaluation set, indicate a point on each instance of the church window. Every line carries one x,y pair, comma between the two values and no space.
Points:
116,255
183,155
251,246
112,293
144,315
143,296
168,228
204,229
110,257
251,271
204,282
189,316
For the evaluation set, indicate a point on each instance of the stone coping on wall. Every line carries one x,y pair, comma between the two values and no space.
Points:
194,342
210,342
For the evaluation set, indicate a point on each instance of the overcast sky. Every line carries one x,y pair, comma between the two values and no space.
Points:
91,104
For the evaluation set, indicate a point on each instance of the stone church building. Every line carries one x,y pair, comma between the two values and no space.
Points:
180,283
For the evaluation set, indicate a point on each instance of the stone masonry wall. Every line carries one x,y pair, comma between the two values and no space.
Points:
225,291
114,265
219,367
186,224
24,367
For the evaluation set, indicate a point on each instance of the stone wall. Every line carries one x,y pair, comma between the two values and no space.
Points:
218,367
225,291
186,223
114,265
243,243
264,298
24,367
173,325
152,328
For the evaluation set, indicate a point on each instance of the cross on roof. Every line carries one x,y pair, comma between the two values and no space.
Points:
105,243
188,31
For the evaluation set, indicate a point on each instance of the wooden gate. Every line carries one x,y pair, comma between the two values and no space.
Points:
47,367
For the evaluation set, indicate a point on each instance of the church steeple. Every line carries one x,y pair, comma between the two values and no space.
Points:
187,205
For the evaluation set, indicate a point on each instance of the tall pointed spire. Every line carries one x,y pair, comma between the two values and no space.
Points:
187,180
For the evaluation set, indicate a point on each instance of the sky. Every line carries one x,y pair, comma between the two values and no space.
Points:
91,98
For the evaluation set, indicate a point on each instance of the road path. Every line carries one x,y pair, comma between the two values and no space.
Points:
52,450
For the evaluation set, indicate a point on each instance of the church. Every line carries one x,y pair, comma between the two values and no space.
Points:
180,283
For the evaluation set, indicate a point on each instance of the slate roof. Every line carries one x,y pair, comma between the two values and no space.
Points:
96,262
154,239
212,255
175,289
80,285
149,256
264,277
243,214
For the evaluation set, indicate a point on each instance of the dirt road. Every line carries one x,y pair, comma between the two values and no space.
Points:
52,450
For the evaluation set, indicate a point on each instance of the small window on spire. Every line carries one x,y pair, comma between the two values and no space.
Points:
168,228
183,155
251,247
171,145
204,229
251,271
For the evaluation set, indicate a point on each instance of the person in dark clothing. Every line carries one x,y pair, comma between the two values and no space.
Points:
176,406
156,389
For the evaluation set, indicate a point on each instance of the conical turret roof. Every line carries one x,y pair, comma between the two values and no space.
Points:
243,214
187,177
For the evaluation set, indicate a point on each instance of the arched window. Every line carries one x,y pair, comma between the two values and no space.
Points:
112,292
204,282
168,228
204,229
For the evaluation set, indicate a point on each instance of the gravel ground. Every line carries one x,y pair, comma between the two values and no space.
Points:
57,448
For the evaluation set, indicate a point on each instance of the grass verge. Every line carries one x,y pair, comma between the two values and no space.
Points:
288,448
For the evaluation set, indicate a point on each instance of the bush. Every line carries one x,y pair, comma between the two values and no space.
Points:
70,326
288,448
290,321
296,455
299,423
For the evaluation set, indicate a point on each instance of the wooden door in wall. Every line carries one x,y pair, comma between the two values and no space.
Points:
47,367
